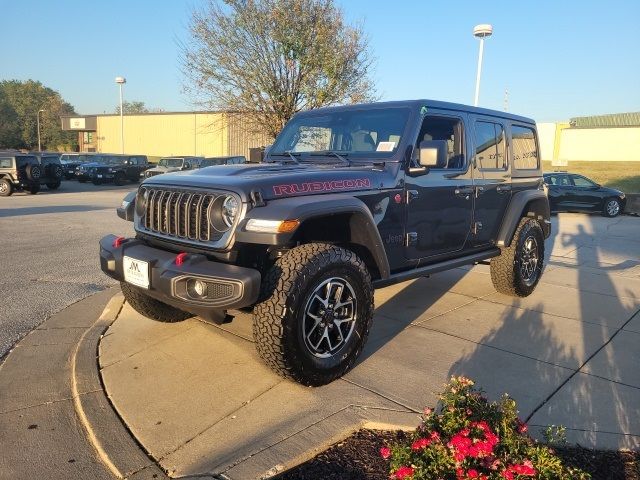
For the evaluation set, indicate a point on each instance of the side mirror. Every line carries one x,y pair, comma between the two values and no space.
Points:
433,154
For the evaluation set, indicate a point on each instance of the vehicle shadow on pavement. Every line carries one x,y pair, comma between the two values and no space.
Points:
22,211
595,391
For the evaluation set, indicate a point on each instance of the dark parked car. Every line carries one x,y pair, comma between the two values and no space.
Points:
71,161
19,172
173,164
230,160
348,199
570,192
118,169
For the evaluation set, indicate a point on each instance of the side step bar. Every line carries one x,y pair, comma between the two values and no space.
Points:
436,267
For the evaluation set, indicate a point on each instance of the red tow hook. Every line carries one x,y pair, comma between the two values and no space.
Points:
117,243
181,257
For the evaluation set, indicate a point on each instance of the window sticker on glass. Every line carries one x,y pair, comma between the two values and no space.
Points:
386,147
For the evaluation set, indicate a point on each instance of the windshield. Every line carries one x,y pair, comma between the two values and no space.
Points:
171,162
209,162
374,132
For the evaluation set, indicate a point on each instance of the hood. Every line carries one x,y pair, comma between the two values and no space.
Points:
163,169
612,191
280,181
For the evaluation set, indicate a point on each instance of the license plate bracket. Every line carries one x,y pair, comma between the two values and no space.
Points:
136,272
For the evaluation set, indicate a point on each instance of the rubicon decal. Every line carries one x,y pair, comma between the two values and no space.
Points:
329,186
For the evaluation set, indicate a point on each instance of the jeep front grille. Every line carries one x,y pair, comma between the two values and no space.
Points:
179,214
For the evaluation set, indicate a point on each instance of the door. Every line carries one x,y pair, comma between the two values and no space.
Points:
560,190
585,193
439,201
491,179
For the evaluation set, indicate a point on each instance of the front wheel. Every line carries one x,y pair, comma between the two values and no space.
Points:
53,185
6,188
150,307
315,313
33,189
120,179
517,270
611,207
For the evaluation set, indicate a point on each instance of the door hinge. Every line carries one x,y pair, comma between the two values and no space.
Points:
412,195
477,226
411,239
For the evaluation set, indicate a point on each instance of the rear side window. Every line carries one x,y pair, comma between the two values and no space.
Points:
5,162
525,151
490,146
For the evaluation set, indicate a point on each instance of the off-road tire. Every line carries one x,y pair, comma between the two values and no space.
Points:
34,172
150,307
6,188
120,179
96,181
286,289
505,269
605,208
82,180
33,189
53,185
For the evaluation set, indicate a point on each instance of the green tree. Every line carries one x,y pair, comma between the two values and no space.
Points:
25,99
272,58
9,129
132,107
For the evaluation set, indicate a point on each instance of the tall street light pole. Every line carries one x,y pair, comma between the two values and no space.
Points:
121,81
38,122
480,31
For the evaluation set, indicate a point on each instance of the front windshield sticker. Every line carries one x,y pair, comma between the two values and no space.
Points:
386,146
295,188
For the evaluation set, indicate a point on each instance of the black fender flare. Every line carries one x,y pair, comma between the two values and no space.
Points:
364,230
527,203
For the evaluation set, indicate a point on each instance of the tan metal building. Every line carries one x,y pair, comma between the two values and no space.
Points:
162,134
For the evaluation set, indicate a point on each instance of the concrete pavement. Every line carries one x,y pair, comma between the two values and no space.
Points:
199,400
117,395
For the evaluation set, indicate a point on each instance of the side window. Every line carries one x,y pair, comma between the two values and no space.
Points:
490,146
525,152
133,160
581,181
5,162
450,130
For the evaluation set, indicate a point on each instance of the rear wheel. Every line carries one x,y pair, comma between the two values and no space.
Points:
611,207
96,181
315,313
150,307
120,179
517,270
53,185
6,188
33,189
82,180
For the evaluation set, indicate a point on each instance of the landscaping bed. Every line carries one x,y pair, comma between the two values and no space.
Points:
358,458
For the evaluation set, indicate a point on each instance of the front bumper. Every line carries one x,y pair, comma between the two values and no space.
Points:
232,286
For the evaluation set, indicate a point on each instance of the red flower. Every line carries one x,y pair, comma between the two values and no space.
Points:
522,427
472,473
420,443
385,452
525,469
402,473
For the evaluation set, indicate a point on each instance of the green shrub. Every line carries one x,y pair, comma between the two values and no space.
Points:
469,437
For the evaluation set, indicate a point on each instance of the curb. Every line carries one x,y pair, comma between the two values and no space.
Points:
108,435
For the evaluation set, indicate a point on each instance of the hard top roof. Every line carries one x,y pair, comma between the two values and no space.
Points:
436,104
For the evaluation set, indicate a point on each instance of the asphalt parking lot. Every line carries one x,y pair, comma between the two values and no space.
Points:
49,255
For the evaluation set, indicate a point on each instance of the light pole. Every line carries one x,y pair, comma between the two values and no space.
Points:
480,31
120,81
38,122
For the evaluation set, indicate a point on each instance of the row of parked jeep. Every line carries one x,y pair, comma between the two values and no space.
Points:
29,171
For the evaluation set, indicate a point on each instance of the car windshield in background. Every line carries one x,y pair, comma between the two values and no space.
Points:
211,162
170,162
357,133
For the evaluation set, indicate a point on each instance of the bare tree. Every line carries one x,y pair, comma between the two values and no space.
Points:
268,59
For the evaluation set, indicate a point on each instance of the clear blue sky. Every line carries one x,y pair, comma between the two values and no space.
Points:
557,59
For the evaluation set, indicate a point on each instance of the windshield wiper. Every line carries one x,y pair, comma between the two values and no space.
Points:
291,155
342,157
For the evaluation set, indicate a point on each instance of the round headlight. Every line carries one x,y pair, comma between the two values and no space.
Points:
229,210
223,212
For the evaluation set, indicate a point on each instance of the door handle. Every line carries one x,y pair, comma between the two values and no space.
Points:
503,188
464,192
